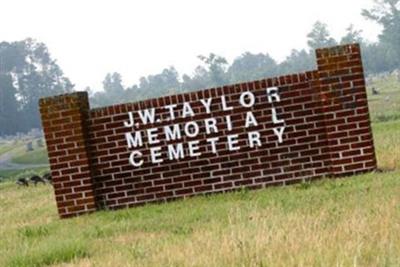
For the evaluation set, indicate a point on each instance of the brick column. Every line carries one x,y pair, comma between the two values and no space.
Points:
64,120
344,101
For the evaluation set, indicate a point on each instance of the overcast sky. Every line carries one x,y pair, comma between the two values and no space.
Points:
137,38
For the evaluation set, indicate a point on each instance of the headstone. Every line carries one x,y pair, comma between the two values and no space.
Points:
39,142
29,146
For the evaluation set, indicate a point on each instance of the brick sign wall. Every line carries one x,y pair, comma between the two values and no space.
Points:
254,134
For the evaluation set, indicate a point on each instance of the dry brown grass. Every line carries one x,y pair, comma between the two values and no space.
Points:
346,222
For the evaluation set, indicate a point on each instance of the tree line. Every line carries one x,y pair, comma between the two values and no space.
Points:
27,71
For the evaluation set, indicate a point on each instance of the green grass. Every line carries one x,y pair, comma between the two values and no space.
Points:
325,223
42,255
387,144
38,156
386,105
23,173
342,222
22,156
5,147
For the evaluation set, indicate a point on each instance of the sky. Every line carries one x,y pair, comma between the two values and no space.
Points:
136,38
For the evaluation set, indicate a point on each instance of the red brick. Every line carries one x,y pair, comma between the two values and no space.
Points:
327,133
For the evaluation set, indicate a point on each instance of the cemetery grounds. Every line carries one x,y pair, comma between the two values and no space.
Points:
331,222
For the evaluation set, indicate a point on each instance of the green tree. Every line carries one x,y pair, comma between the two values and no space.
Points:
9,113
200,80
113,87
34,74
352,36
298,61
166,82
252,67
113,91
215,67
387,14
320,36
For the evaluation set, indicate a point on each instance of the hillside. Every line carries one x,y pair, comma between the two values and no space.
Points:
331,222
383,107
342,222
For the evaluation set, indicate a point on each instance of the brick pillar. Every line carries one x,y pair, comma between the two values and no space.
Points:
64,120
344,101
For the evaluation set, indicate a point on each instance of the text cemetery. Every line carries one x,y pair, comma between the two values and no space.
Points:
174,132
254,134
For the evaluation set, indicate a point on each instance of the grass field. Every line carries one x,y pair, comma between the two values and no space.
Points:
349,222
343,222
387,144
20,155
38,156
5,147
386,105
15,174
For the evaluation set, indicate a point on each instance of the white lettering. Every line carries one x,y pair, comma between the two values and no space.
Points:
194,126
279,133
134,141
228,122
152,136
193,147
156,154
232,142
160,151
131,122
211,124
250,120
147,116
172,134
272,93
207,104
187,110
275,119
224,105
212,142
175,152
254,139
132,158
171,111
251,99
